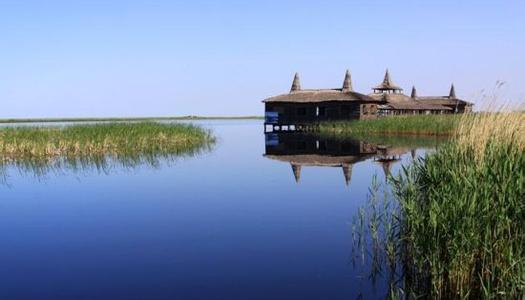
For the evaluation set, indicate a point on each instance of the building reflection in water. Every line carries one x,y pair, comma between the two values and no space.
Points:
310,150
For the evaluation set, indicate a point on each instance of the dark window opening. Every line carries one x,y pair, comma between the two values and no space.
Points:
301,111
321,111
322,146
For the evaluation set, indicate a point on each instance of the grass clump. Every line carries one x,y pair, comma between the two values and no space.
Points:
462,224
406,125
118,140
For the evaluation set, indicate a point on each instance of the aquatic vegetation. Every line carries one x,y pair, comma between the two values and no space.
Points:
459,222
128,119
407,125
117,140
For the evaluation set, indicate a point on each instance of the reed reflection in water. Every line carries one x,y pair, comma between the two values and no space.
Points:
100,164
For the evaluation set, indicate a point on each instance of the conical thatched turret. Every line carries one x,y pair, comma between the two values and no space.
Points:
387,84
413,95
387,80
452,94
347,172
296,85
296,172
347,83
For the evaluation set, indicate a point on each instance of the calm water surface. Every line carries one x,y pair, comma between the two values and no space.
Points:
255,218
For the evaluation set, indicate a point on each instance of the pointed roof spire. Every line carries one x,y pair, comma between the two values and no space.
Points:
387,84
296,172
452,94
414,92
387,77
347,83
347,172
296,85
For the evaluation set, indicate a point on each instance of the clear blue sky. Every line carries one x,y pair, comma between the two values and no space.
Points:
157,58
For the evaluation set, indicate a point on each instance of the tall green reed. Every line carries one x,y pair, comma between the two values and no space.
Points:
459,232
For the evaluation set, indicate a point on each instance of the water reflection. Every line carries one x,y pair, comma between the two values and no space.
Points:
191,230
99,164
312,150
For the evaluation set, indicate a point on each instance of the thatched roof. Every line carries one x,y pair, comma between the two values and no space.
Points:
387,84
416,105
413,94
298,95
449,100
442,100
347,83
404,102
321,95
392,100
296,84
452,93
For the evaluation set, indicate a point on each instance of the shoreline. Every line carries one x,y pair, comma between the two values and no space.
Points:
124,119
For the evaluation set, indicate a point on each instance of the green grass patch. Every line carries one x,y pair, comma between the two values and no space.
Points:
405,125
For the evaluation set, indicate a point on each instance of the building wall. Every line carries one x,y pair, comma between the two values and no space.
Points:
298,113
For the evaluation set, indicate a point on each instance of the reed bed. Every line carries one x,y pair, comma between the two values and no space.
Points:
128,119
442,125
118,140
454,227
463,211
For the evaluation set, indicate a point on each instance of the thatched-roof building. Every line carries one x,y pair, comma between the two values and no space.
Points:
394,102
306,106
309,150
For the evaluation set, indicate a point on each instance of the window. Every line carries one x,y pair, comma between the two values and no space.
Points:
320,111
320,145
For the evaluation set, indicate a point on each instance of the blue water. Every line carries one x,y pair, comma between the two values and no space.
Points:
226,224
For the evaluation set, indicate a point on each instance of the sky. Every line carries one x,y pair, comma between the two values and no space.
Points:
172,58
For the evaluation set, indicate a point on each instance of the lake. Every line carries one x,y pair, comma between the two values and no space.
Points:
255,217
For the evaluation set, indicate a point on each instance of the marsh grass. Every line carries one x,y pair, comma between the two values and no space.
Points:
123,141
128,119
459,230
442,125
